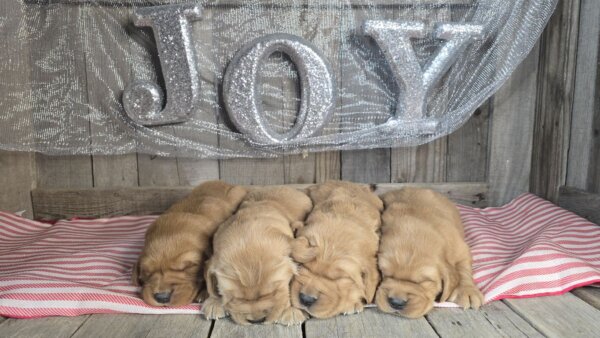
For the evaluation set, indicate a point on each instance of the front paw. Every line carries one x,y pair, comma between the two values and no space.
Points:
213,309
292,316
358,308
467,296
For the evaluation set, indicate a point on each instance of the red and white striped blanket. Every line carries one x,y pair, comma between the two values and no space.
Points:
527,248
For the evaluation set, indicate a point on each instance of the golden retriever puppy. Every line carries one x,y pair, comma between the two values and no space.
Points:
170,267
337,248
423,254
249,275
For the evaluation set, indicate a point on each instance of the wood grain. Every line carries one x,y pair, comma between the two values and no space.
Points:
105,202
17,169
369,323
42,327
192,171
580,202
225,328
62,171
17,178
106,47
372,165
559,316
511,135
467,156
589,294
492,320
558,46
579,164
134,325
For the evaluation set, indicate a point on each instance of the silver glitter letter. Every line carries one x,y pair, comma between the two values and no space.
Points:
393,37
241,88
143,101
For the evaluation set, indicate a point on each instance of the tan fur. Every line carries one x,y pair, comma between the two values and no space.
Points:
337,249
178,242
249,275
423,254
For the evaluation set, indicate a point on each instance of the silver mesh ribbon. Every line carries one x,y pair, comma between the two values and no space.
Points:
115,76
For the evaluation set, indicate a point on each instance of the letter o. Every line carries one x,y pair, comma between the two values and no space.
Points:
241,89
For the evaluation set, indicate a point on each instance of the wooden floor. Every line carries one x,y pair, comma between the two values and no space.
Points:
571,315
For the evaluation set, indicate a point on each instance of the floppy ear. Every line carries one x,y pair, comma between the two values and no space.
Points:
302,251
297,225
351,268
135,274
371,279
449,280
212,285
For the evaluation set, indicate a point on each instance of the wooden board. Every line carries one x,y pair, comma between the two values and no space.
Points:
427,162
492,320
370,323
134,325
467,157
106,47
192,171
555,99
17,177
511,135
225,328
61,171
590,295
559,316
17,169
579,162
580,202
42,327
67,203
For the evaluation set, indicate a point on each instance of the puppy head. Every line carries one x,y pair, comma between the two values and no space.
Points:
410,290
326,287
169,269
254,289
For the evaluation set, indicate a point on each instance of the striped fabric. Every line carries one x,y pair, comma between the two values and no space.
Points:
527,248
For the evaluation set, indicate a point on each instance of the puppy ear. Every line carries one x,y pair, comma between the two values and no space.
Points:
351,268
302,251
449,280
210,278
297,225
135,274
371,279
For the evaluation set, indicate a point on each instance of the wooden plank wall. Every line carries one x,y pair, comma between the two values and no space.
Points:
554,93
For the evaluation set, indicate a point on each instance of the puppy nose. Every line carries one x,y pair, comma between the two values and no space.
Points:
307,300
397,303
257,321
162,297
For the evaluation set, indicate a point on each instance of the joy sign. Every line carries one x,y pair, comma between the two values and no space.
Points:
143,101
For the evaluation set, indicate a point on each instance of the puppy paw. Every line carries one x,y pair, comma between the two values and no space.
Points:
213,309
467,296
358,308
292,316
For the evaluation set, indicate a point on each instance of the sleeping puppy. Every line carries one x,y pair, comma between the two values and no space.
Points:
337,248
249,275
170,266
423,254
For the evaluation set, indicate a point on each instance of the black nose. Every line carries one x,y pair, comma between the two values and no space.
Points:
162,297
307,300
257,321
396,303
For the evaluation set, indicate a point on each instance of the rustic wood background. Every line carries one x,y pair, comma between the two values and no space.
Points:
539,132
